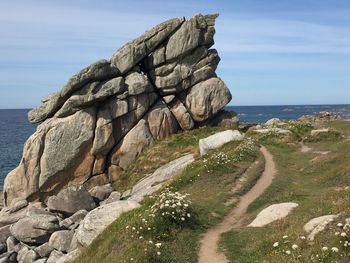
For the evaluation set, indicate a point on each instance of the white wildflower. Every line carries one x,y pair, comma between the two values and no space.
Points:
343,234
284,237
288,252
276,244
295,246
158,245
324,248
335,249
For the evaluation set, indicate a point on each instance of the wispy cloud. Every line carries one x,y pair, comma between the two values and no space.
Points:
44,42
281,36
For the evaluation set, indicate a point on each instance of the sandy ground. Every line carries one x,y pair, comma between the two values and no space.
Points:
209,252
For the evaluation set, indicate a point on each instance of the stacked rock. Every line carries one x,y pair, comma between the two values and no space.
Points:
103,118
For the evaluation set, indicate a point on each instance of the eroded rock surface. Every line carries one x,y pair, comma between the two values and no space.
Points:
109,112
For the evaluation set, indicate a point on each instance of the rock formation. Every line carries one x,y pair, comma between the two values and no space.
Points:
107,113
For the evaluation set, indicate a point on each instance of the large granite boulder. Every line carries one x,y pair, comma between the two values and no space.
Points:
71,200
109,112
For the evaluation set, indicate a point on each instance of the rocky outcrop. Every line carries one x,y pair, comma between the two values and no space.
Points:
219,139
57,230
108,113
273,213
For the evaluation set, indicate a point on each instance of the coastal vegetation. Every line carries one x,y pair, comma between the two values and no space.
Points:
317,180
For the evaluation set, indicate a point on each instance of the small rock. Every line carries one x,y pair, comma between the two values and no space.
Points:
273,213
8,257
70,257
41,260
126,193
273,122
61,240
114,196
101,192
219,139
22,252
74,219
317,132
44,250
18,205
71,200
28,257
11,243
54,256
318,224
278,131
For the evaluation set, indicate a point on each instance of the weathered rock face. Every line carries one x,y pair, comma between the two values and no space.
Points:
108,113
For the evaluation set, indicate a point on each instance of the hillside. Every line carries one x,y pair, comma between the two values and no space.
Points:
315,176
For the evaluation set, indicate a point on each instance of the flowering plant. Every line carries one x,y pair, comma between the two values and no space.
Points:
173,207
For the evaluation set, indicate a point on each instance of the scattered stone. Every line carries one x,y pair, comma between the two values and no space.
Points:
11,243
70,257
44,250
27,256
101,192
54,256
219,139
71,200
317,225
74,219
35,229
278,131
274,122
8,257
100,218
18,205
318,132
61,240
114,196
273,213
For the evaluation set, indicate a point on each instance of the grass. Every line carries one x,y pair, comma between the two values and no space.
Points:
162,152
208,181
310,180
317,182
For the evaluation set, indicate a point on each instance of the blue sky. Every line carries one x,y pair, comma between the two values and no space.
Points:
272,52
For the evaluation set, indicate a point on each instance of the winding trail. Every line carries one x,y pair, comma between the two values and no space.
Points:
209,249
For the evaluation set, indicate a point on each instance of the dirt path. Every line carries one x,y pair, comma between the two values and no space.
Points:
209,252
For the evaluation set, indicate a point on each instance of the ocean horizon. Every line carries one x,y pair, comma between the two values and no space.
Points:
15,128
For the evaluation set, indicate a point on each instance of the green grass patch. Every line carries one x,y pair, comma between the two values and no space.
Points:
318,184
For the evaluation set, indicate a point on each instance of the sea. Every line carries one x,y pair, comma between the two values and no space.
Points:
15,128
